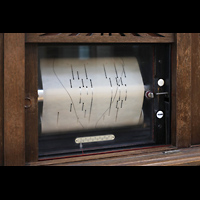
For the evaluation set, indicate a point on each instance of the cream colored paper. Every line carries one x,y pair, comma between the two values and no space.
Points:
91,93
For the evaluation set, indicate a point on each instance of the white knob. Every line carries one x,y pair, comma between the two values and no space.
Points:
161,82
159,114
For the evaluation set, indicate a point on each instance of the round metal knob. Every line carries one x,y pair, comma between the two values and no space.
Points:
149,94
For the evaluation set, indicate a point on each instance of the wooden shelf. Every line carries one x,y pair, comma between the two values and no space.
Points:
161,156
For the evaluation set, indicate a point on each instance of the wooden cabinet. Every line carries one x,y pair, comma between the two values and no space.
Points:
18,87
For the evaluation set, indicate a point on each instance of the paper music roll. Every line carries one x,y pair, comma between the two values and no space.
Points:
91,93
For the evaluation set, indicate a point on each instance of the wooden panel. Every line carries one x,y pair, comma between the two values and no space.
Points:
159,156
14,95
185,75
173,92
1,100
102,156
183,90
31,114
99,38
195,91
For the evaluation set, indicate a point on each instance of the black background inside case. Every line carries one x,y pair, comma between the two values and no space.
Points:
154,62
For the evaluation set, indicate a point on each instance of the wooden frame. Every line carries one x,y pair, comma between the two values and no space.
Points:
31,93
14,93
100,38
195,92
1,100
18,54
185,93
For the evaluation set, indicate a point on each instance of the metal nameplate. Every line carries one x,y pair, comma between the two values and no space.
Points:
97,138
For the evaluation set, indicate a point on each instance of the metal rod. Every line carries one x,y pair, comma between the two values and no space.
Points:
160,93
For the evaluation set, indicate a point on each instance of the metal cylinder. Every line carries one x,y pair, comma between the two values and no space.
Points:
40,95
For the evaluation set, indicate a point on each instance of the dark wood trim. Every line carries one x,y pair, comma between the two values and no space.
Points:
183,90
185,129
31,114
14,95
173,92
1,100
154,157
103,156
99,38
195,90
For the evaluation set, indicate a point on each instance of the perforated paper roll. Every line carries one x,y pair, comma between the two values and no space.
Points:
91,93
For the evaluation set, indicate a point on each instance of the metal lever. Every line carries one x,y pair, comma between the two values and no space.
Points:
151,95
160,93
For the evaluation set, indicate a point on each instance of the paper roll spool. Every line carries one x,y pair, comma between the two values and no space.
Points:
91,93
